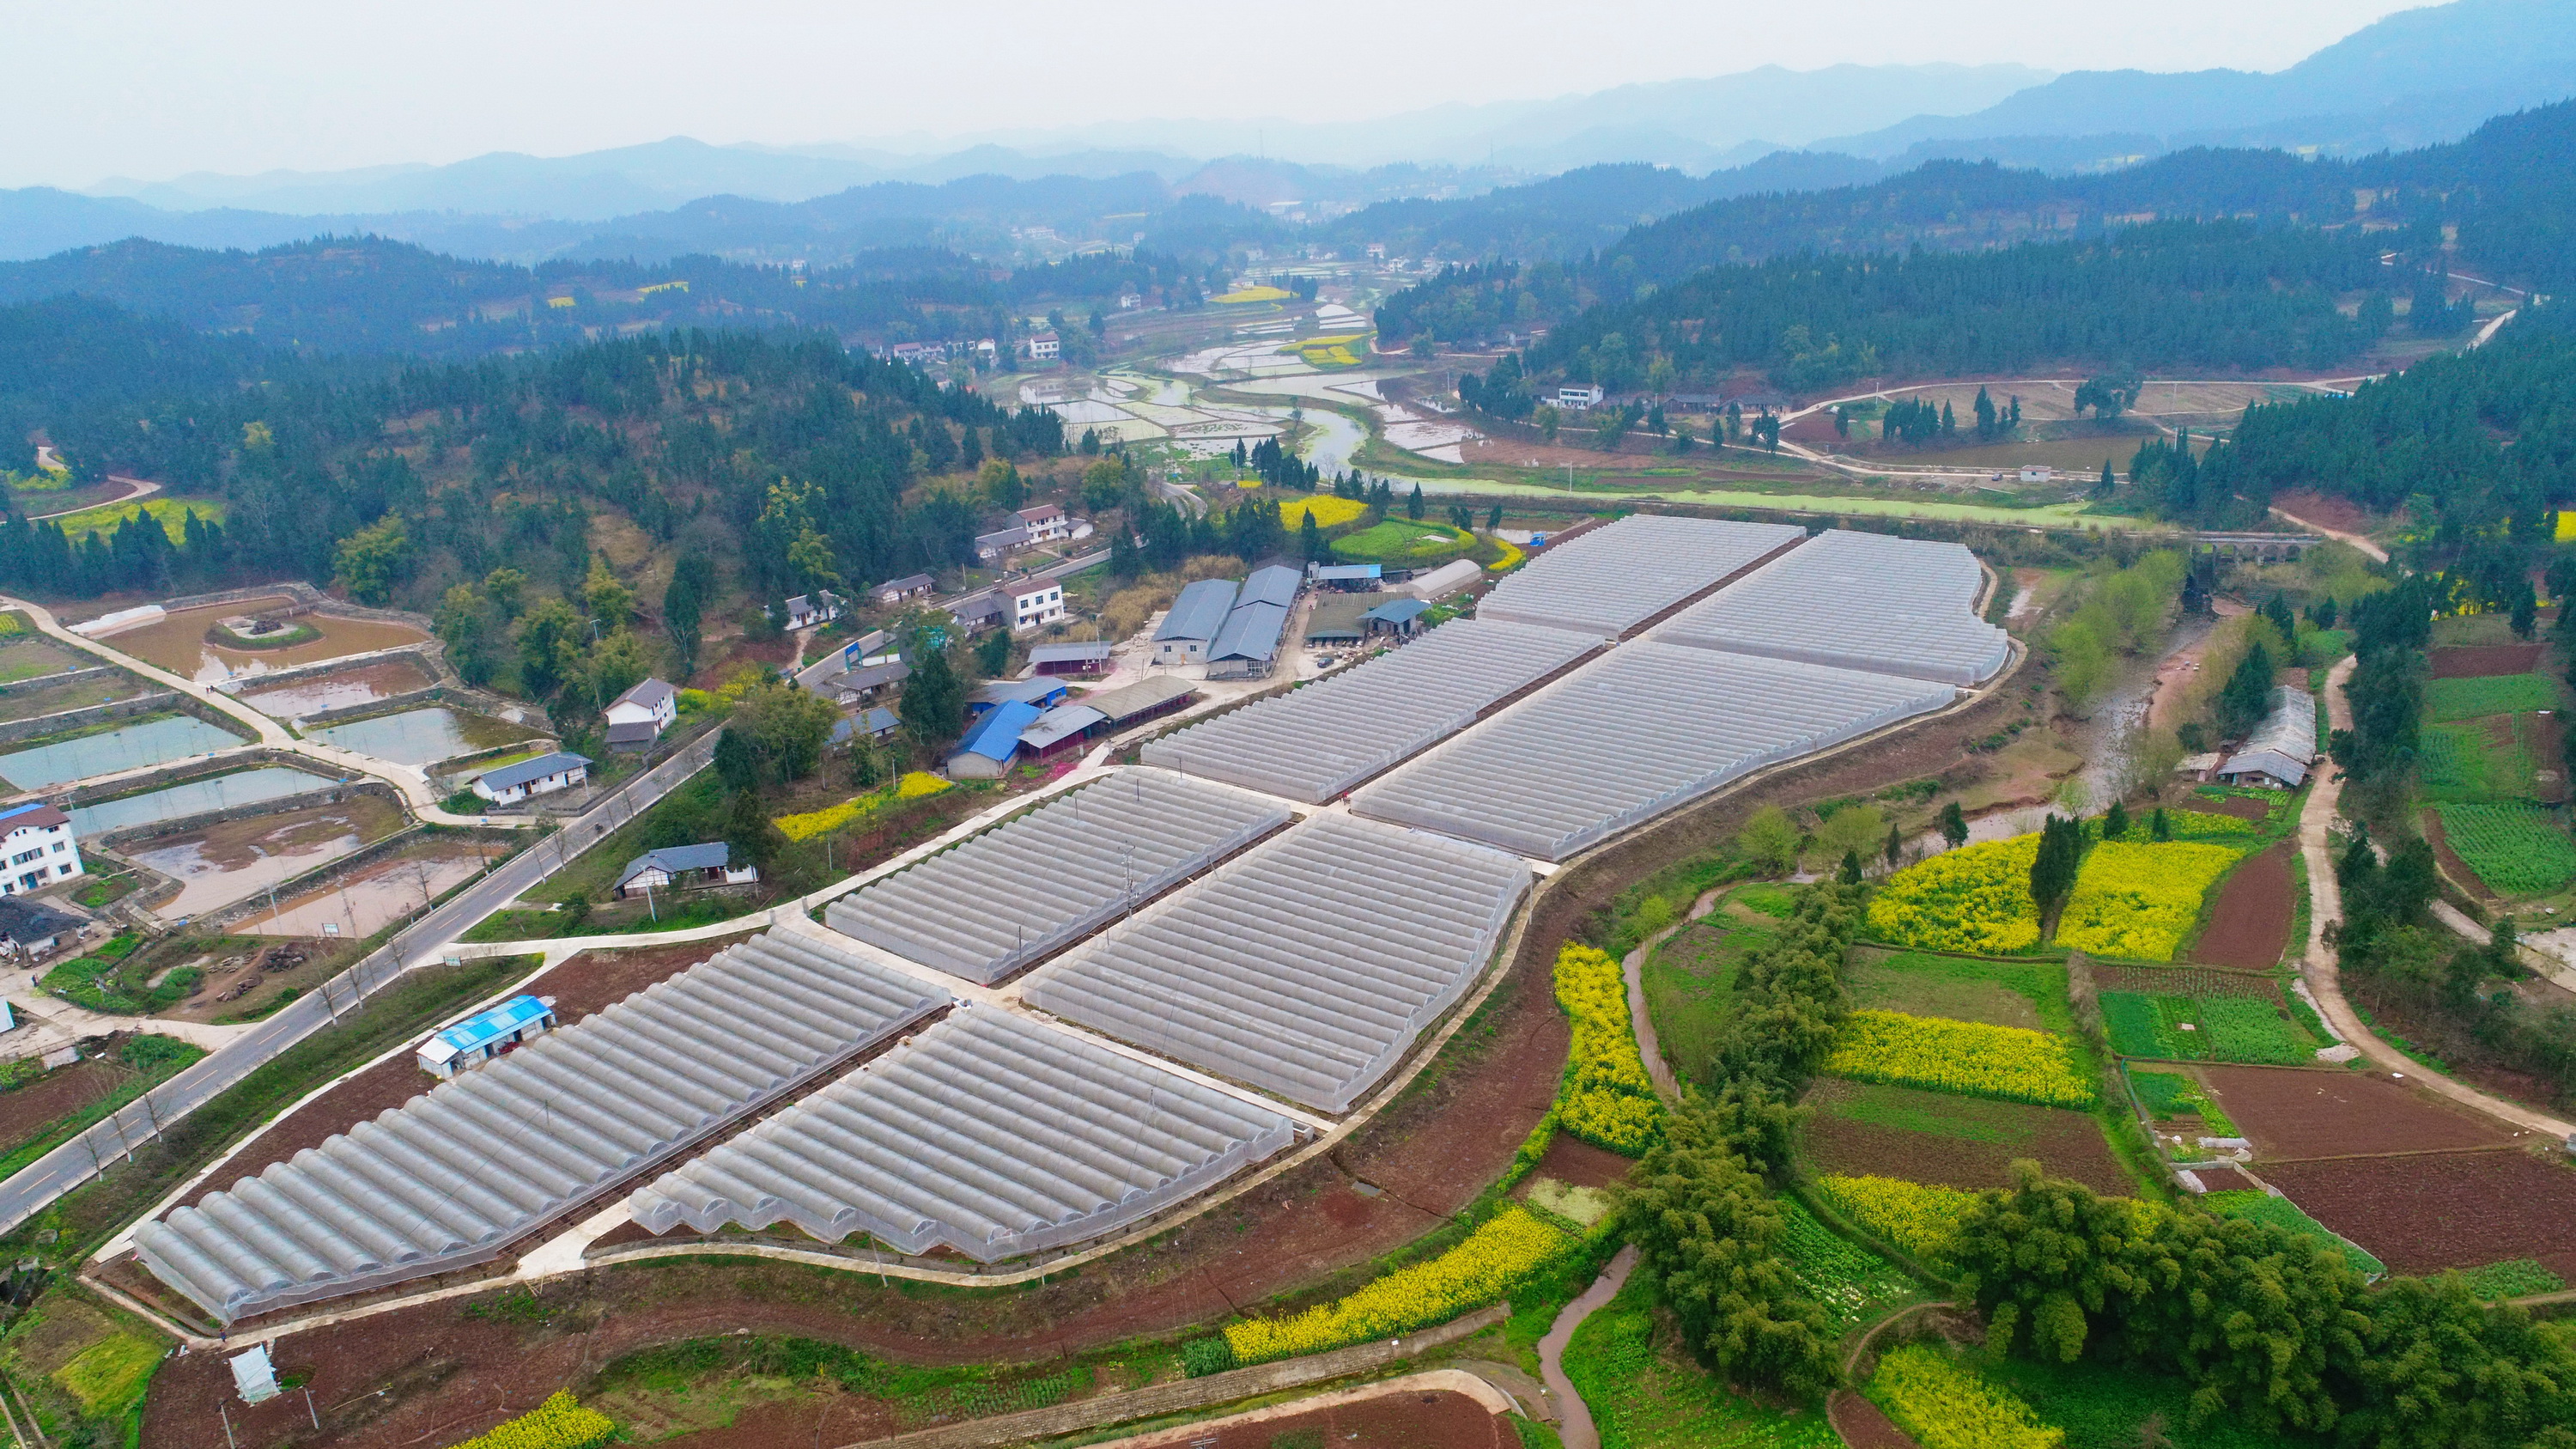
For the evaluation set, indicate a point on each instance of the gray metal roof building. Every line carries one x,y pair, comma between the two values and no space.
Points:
990,1133
1199,612
1319,740
1630,736
1857,601
1305,968
1612,580
454,1176
1251,633
1021,891
1271,584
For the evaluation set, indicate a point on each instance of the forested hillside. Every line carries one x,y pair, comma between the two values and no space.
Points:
2510,190
750,464
371,296
2168,294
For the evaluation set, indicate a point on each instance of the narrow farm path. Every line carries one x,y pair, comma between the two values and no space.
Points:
2324,976
1632,969
1574,1422
141,490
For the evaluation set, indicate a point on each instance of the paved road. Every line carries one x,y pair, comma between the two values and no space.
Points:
80,1159
138,491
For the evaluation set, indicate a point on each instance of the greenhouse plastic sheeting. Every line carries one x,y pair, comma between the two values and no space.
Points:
1317,741
1305,968
454,1176
1614,579
1624,739
1020,892
1857,601
989,1133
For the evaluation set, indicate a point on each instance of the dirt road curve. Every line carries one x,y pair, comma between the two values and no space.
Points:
2324,977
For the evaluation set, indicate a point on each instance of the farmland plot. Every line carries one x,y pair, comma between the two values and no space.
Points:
2516,849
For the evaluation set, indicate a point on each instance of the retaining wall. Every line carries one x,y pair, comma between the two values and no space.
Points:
179,772
71,719
48,681
181,824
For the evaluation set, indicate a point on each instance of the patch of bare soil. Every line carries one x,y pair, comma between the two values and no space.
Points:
26,1112
2300,1112
2477,661
2339,514
2250,923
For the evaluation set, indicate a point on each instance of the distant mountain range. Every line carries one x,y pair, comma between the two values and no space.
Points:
1518,178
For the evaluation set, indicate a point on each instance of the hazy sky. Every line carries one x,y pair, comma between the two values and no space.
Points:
153,89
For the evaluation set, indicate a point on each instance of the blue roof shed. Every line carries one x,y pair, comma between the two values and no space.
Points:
485,1035
1199,612
992,741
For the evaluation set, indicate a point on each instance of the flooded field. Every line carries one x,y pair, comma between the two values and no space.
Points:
218,792
236,859
127,747
81,693
421,736
178,642
340,689
374,896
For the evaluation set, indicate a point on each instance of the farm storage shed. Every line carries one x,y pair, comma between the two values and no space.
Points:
1319,740
1305,968
990,1133
1019,892
1857,601
453,1177
1613,580
1629,737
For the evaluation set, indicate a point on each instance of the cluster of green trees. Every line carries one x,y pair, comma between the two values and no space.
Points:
2273,1329
782,458
1699,1204
2121,612
1912,420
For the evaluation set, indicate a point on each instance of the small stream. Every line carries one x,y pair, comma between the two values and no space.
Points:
2111,737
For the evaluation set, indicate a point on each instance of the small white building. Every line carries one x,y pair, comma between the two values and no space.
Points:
31,929
1037,605
682,867
2037,473
807,610
1579,399
895,591
541,776
1045,347
1001,543
37,843
652,702
481,1037
1045,523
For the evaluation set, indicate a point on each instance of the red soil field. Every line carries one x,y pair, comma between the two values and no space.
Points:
2296,1112
2477,661
1863,1425
2224,1179
31,1109
2446,1210
1581,1164
2242,807
2250,924
2065,1144
2340,514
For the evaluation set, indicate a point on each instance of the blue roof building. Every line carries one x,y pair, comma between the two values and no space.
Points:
1249,642
1042,692
992,742
479,1038
1398,616
1270,584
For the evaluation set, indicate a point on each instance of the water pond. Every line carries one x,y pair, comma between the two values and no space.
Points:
341,688
177,642
127,747
217,792
420,736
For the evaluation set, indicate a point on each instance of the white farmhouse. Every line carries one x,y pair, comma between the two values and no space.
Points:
1036,605
541,776
37,843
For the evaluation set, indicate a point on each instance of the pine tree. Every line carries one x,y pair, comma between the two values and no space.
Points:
1895,847
2052,870
2103,489
1413,505
1954,825
2115,822
1850,873
2159,827
934,698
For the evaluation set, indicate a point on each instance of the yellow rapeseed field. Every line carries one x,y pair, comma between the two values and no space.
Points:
1975,898
1947,1406
912,786
2139,900
1607,1100
1971,1058
1254,294
1915,1216
1329,511
1509,1247
558,1423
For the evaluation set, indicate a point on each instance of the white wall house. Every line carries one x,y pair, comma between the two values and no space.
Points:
37,848
541,776
654,702
1578,399
1045,523
1044,347
1037,605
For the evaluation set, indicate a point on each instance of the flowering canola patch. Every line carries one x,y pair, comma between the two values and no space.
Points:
1329,511
1608,1100
1509,1247
1915,1216
558,1423
2137,901
1972,1058
1975,898
1947,1406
